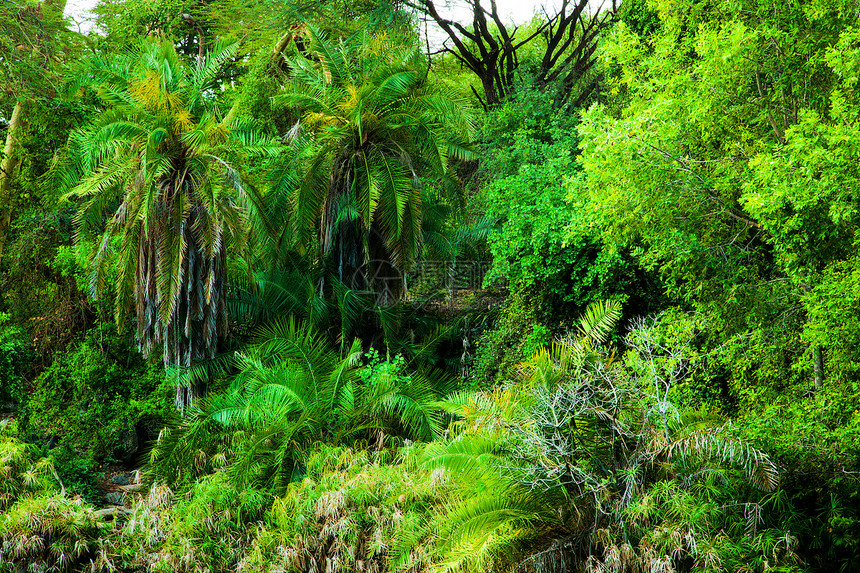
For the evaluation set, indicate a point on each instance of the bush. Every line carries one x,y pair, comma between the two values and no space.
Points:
15,361
40,295
208,529
502,346
41,528
355,510
586,459
22,470
96,399
817,440
49,533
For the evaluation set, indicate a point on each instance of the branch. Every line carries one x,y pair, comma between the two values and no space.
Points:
711,192
477,95
779,134
190,21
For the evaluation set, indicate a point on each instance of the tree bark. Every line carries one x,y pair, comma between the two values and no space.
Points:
11,161
818,367
817,354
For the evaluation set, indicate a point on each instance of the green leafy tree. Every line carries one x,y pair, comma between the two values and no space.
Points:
718,164
727,160
554,262
165,170
32,44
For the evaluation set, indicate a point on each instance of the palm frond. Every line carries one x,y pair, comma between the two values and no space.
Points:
218,55
598,321
719,445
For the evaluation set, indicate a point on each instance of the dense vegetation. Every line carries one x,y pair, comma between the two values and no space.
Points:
289,288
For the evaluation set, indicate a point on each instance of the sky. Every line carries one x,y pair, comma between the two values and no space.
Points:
517,11
79,12
511,11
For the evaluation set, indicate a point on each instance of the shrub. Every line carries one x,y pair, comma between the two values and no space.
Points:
208,529
94,399
53,533
22,470
585,458
354,510
15,361
41,529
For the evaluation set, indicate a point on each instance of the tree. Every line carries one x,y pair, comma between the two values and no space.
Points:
719,162
28,50
163,167
491,50
293,390
375,127
552,259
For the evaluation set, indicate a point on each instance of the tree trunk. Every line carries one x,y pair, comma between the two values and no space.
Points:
11,160
817,353
187,396
818,366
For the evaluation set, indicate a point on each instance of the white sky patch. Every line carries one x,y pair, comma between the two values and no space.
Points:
80,13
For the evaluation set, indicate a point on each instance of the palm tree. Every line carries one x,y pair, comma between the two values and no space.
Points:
376,128
292,390
161,166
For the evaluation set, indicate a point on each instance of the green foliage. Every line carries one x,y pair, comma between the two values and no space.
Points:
833,310
55,533
211,527
640,16
15,358
24,471
291,391
817,440
538,338
41,298
78,472
699,528
714,182
544,247
34,40
40,527
125,22
502,346
46,133
350,508
721,170
356,509
95,398
582,440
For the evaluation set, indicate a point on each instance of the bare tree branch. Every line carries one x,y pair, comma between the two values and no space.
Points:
489,47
